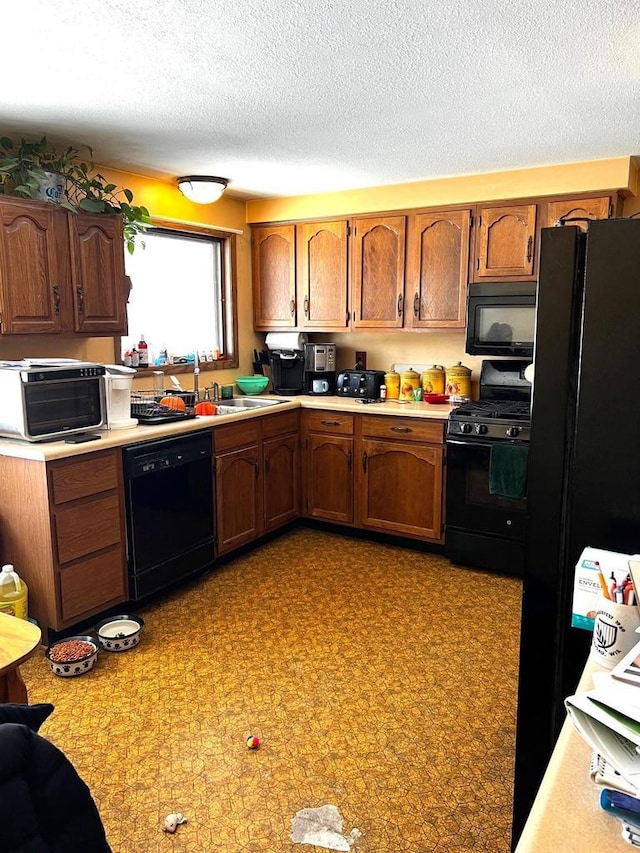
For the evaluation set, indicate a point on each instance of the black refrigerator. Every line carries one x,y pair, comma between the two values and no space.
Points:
584,464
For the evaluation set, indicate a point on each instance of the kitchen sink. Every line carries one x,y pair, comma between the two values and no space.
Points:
239,404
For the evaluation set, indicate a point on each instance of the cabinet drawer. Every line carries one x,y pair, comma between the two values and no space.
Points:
239,434
279,424
88,476
87,527
92,585
331,422
411,429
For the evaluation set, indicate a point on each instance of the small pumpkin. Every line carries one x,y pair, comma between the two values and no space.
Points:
173,402
205,408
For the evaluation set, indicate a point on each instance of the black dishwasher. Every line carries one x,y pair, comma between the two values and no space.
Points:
169,505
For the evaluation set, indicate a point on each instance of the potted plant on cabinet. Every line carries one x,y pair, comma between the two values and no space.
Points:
37,170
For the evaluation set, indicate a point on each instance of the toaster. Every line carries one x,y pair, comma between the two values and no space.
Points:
361,384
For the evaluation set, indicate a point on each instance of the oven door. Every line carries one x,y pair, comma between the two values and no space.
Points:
58,407
471,505
501,320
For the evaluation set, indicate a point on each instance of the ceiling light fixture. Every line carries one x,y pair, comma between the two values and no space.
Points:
202,189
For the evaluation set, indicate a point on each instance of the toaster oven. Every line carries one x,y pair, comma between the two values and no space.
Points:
360,384
49,399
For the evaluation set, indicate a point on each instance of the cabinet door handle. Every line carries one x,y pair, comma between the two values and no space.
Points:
401,429
292,306
529,248
306,306
256,468
400,301
267,465
330,423
56,299
416,305
349,459
365,459
80,292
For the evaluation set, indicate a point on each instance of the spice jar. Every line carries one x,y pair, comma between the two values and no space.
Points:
433,379
458,381
392,384
409,380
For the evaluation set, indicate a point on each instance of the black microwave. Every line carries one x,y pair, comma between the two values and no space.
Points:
501,319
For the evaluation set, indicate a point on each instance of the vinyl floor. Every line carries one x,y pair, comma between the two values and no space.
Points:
379,679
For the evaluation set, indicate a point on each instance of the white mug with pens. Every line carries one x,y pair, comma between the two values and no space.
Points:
617,617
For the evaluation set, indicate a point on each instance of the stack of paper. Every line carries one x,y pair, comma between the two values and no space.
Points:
608,718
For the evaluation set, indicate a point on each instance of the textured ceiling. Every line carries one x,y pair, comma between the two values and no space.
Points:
285,97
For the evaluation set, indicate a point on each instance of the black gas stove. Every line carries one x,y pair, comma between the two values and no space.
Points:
487,461
491,419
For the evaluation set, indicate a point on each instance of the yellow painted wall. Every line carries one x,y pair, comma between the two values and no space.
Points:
617,173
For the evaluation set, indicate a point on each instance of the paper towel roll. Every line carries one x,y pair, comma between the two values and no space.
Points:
286,340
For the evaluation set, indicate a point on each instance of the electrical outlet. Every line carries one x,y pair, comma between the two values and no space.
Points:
361,360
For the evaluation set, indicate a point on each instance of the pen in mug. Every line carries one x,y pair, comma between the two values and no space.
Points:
603,583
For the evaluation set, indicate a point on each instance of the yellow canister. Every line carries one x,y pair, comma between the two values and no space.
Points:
433,379
458,380
409,381
392,384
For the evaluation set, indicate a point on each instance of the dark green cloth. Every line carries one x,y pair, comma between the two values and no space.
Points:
508,470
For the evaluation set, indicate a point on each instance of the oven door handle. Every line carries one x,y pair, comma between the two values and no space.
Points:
486,444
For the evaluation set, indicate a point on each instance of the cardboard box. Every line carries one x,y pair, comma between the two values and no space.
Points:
586,585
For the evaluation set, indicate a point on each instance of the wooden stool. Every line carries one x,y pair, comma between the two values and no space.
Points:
19,640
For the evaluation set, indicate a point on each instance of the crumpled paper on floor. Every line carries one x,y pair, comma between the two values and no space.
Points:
323,828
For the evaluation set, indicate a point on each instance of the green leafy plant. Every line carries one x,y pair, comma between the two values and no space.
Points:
25,166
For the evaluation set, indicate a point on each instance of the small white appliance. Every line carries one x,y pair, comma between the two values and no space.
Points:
118,381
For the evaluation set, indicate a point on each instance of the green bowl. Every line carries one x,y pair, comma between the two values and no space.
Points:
252,384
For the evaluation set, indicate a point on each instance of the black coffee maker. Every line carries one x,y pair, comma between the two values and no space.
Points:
286,357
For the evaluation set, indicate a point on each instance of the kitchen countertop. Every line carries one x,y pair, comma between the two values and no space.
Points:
46,451
566,813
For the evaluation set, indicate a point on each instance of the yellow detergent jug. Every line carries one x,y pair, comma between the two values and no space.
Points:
13,593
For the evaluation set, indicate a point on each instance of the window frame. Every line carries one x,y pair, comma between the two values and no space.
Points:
229,297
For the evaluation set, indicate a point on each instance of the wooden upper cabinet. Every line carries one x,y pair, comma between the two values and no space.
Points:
377,298
99,289
60,271
506,243
34,268
322,278
579,210
274,277
437,269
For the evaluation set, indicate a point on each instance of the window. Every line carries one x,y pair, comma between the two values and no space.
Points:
181,296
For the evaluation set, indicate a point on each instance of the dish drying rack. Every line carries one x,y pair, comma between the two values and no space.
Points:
147,408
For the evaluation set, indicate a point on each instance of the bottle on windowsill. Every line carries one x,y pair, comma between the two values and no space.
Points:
143,352
135,358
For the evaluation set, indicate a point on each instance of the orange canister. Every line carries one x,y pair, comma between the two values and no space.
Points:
458,380
392,383
409,381
433,379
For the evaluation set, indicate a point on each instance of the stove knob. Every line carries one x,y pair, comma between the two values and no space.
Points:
481,429
512,432
465,427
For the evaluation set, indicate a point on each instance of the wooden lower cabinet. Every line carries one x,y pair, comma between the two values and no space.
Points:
400,488
400,480
281,466
375,472
328,466
257,478
70,546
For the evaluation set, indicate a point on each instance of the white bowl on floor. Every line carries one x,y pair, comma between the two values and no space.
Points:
120,633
